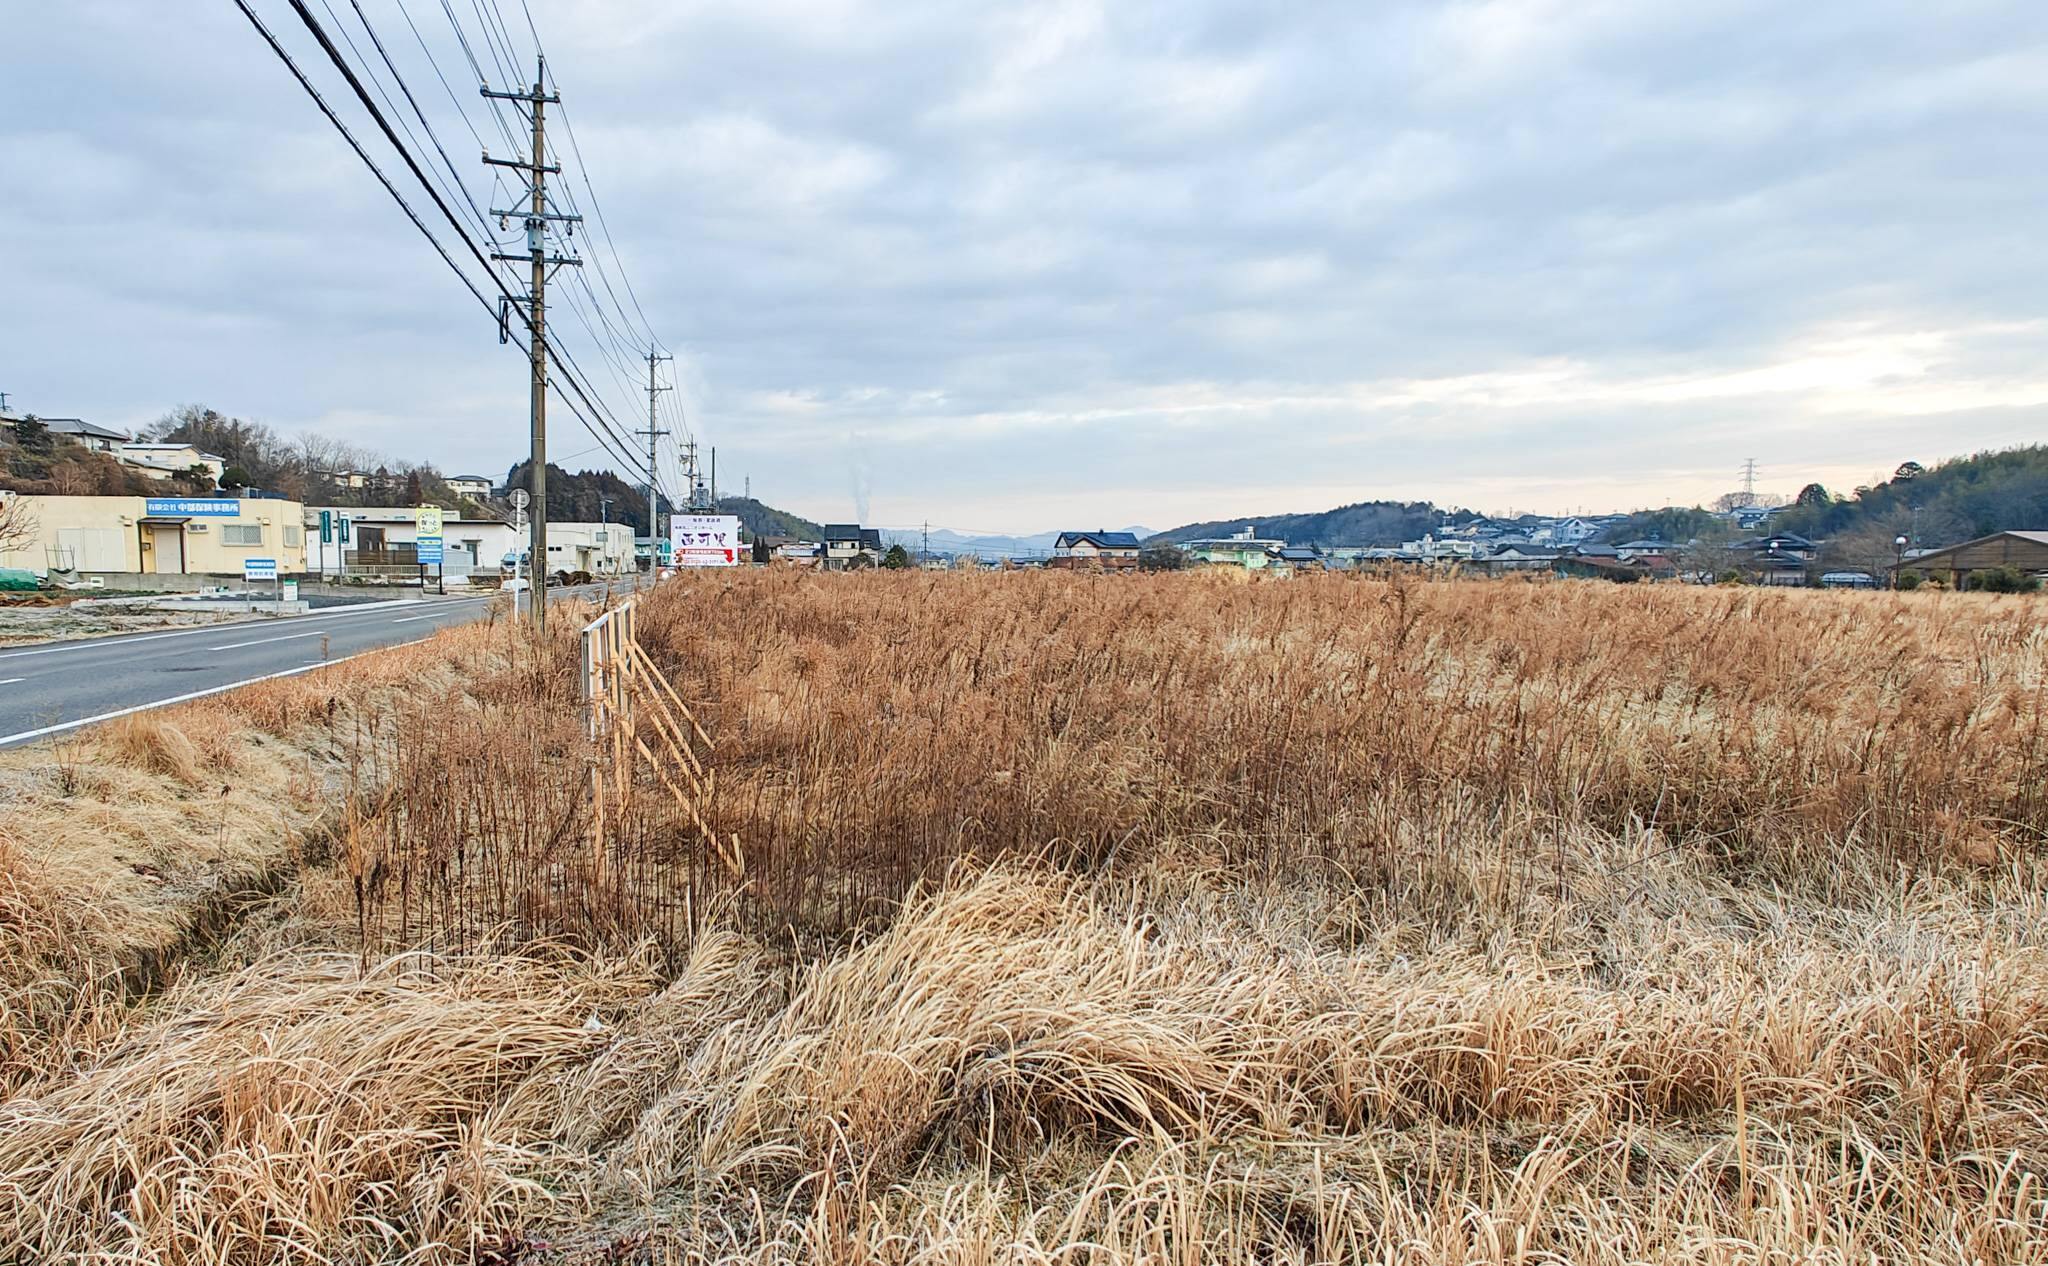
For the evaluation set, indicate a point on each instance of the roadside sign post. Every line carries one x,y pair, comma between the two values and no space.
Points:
255,569
520,498
427,543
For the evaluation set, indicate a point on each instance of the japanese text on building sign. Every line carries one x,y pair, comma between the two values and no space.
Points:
195,508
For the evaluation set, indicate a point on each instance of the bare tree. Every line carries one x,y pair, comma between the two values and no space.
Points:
18,525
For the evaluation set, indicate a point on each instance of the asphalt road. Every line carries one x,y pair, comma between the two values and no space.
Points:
55,687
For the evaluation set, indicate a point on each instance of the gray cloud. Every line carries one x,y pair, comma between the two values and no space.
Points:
1102,262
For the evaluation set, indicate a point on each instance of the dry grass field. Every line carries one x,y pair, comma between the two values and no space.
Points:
1076,920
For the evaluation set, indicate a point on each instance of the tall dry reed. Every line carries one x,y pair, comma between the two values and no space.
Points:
1132,920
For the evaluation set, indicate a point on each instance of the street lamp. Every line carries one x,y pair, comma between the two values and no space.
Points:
1899,543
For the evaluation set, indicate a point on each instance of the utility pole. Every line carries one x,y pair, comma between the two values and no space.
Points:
924,552
653,433
537,169
604,530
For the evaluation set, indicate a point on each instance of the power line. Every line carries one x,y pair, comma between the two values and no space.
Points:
361,153
595,418
597,213
406,91
312,24
435,63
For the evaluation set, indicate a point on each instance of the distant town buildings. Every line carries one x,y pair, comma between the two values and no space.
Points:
196,528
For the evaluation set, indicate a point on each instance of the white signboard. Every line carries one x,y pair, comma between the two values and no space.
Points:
259,569
429,521
705,540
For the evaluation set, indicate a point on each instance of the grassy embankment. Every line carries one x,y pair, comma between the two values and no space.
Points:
1328,921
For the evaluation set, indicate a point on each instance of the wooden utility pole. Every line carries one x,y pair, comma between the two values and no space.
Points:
537,169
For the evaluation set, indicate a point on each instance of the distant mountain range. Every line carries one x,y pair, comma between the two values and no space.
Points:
1949,501
948,541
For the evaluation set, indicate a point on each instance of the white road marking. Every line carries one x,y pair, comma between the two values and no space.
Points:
409,619
265,641
61,727
8,681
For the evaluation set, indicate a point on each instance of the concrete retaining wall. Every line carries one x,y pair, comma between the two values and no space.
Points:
192,582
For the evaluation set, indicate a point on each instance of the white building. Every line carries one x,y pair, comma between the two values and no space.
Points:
383,541
166,461
1573,531
1430,548
602,549
475,487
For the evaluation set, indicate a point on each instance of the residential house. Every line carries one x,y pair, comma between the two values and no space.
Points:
1565,532
1749,518
169,460
160,536
1110,551
2026,552
1776,567
1296,558
97,438
1632,549
1521,556
1786,543
475,487
849,545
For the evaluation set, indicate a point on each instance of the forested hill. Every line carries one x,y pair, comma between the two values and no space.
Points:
765,520
1366,523
575,499
1956,500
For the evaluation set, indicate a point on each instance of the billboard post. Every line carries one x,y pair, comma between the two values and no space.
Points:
704,540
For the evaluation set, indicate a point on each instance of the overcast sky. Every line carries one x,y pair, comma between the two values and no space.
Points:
1044,265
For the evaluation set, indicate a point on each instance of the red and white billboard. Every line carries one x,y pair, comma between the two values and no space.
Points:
705,540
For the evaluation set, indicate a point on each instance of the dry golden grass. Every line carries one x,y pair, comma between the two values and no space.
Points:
1101,919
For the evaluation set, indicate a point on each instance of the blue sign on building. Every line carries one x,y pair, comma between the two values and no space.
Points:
192,508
